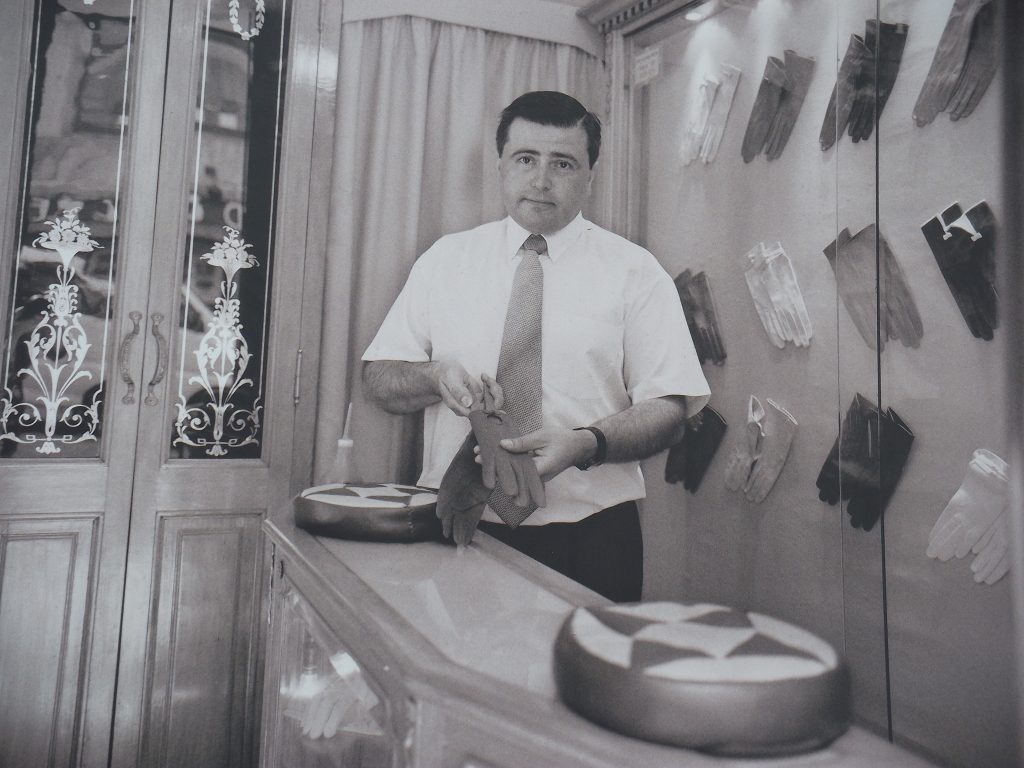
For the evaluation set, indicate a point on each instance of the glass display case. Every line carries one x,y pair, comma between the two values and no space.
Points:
823,181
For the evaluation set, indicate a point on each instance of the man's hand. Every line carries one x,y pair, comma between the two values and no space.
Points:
554,450
458,390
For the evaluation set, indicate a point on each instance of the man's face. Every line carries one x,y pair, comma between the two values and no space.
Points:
545,176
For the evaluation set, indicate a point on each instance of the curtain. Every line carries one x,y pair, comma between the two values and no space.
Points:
414,158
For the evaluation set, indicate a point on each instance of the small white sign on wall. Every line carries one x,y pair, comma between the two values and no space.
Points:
646,65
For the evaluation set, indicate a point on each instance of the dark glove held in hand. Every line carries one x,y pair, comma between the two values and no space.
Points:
516,473
462,495
688,459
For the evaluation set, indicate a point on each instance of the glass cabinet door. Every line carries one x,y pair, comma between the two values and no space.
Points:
823,180
326,712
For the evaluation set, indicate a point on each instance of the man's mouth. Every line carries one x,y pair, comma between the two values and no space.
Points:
537,202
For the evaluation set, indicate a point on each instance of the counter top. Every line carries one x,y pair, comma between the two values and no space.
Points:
460,620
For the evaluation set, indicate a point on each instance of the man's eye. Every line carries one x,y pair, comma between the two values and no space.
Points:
525,160
564,165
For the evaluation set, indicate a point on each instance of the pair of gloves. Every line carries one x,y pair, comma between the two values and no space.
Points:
777,105
964,245
878,301
688,459
701,318
866,462
865,79
964,64
756,461
467,486
703,133
975,520
777,297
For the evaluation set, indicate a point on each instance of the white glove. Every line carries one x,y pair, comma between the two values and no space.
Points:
762,299
992,560
693,134
779,429
973,509
746,451
728,77
781,270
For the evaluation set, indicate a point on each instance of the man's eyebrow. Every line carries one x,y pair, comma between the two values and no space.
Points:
536,153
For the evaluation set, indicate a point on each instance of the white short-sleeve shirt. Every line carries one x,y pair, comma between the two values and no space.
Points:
614,334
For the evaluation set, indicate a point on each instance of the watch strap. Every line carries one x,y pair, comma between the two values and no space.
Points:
599,454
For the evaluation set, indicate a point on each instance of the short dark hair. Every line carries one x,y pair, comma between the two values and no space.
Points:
551,108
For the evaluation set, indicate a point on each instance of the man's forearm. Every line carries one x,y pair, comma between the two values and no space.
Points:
401,387
644,429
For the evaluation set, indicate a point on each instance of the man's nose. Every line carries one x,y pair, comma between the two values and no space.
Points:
542,177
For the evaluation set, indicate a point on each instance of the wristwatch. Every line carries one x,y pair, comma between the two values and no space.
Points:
602,449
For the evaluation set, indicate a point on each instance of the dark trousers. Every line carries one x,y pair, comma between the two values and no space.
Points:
604,552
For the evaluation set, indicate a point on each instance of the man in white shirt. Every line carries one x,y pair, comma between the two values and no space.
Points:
619,374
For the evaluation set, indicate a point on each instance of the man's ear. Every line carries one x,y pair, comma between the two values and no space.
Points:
590,181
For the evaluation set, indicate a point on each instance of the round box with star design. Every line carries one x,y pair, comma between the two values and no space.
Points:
703,676
369,512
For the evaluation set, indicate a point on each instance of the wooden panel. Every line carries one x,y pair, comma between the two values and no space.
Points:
45,569
200,695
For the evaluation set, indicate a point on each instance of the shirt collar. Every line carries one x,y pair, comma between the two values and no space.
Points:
558,242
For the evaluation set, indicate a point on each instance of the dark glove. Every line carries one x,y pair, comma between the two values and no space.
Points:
851,451
979,66
516,473
874,84
689,459
701,317
798,78
869,500
766,103
900,315
964,248
948,62
462,495
853,261
844,93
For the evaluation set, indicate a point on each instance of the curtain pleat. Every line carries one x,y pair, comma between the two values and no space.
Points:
414,158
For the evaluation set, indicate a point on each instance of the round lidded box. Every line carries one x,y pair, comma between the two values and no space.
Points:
369,512
703,676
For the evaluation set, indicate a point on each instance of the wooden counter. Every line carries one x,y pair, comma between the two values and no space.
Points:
427,656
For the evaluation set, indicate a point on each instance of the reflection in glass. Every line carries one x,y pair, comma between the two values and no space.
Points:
226,282
330,716
55,351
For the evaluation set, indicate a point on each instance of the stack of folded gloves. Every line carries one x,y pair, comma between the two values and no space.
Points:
756,460
964,246
879,302
975,520
866,462
777,298
964,64
777,105
703,133
701,318
689,458
864,83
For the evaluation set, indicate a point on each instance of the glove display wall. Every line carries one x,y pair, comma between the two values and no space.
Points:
929,643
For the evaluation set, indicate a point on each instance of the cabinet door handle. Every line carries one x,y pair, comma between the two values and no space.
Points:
123,361
161,359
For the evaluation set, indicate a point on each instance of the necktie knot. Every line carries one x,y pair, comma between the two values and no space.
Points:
536,243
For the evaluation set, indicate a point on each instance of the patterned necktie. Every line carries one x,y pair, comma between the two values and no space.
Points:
520,361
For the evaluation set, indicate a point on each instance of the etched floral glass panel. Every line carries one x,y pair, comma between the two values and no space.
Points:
58,280
225,302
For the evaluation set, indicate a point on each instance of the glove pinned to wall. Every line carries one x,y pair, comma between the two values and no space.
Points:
949,73
777,105
696,126
775,291
747,450
972,510
844,93
853,261
877,479
851,447
728,79
963,245
875,83
799,70
701,317
688,459
777,437
992,559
